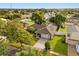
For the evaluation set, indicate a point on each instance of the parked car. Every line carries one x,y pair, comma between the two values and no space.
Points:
77,49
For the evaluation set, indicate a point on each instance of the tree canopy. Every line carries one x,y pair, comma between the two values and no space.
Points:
4,47
2,27
38,17
16,32
58,20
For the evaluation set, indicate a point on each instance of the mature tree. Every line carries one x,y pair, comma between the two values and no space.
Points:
38,17
32,52
4,43
29,52
3,12
58,20
16,32
12,16
16,11
2,27
63,12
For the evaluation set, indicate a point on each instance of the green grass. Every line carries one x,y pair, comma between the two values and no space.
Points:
63,30
33,41
29,21
58,46
15,44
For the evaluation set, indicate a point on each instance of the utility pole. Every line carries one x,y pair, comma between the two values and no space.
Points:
10,5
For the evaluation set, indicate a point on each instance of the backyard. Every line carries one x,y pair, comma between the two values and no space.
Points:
58,45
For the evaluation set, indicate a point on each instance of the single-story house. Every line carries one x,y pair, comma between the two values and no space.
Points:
4,20
2,37
44,31
27,22
72,38
26,16
49,15
74,19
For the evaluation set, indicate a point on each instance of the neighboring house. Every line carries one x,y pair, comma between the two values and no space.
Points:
53,14
46,15
69,16
49,15
27,22
74,19
72,40
4,20
3,37
44,31
26,16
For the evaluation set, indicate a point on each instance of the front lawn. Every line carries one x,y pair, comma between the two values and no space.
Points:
58,45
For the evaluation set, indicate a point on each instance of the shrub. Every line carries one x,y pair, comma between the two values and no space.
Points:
47,46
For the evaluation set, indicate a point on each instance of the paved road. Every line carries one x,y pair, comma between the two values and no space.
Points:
40,44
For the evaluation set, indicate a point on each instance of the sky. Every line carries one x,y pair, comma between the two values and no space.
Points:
38,5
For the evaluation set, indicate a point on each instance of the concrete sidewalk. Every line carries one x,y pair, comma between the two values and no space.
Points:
72,51
40,44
